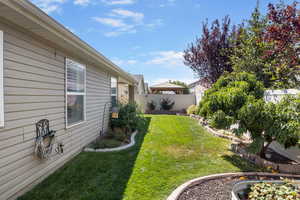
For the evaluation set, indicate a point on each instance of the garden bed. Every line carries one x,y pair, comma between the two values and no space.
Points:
219,186
109,144
278,162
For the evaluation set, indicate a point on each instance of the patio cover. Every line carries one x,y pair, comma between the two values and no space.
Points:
166,87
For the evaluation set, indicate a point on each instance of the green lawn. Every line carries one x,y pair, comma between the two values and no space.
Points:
170,151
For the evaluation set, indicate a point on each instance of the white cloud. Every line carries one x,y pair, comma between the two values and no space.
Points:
126,22
121,62
136,16
110,21
122,21
167,58
49,6
155,23
118,2
82,2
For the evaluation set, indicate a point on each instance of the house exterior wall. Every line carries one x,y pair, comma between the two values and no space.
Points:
34,88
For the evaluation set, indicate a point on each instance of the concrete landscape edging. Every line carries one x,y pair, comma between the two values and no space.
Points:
179,190
132,143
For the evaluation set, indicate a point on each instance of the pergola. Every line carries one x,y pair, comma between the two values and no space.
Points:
167,87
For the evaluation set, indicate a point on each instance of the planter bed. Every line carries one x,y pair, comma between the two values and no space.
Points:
287,166
219,186
120,148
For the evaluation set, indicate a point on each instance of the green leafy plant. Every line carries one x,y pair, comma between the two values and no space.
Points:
236,98
151,105
268,122
274,191
192,109
166,104
128,118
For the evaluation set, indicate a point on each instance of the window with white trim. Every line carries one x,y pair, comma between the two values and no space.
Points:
1,82
75,92
114,91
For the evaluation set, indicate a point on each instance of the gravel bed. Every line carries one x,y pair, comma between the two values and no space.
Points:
218,188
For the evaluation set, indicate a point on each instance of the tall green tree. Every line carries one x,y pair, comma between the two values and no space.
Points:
283,32
250,48
266,46
183,84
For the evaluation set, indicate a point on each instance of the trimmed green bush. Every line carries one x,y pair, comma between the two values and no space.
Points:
192,109
151,105
166,104
128,119
236,98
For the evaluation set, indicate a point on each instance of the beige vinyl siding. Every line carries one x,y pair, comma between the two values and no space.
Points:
34,88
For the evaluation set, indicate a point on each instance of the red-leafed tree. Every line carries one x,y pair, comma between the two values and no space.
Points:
208,56
283,33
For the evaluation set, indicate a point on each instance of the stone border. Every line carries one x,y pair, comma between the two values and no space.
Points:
253,158
216,133
132,143
179,190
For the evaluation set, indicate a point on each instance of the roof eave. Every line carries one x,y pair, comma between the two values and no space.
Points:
31,12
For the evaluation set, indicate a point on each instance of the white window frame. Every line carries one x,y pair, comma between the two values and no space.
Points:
1,81
114,95
74,93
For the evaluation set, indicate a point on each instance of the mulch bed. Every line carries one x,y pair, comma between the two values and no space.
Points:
218,188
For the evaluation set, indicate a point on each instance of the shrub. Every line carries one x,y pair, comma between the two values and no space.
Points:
166,104
192,109
151,105
272,191
237,98
229,94
128,118
268,122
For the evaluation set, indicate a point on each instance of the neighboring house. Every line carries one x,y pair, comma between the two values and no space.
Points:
198,89
142,87
147,89
46,72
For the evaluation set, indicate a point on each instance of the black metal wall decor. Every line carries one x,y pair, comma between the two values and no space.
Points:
45,140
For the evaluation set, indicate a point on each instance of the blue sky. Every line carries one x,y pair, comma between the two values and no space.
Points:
145,36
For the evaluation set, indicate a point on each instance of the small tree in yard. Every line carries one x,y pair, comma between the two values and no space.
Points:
283,32
208,57
249,52
237,99
268,122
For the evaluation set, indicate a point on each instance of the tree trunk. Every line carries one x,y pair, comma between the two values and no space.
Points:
264,149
